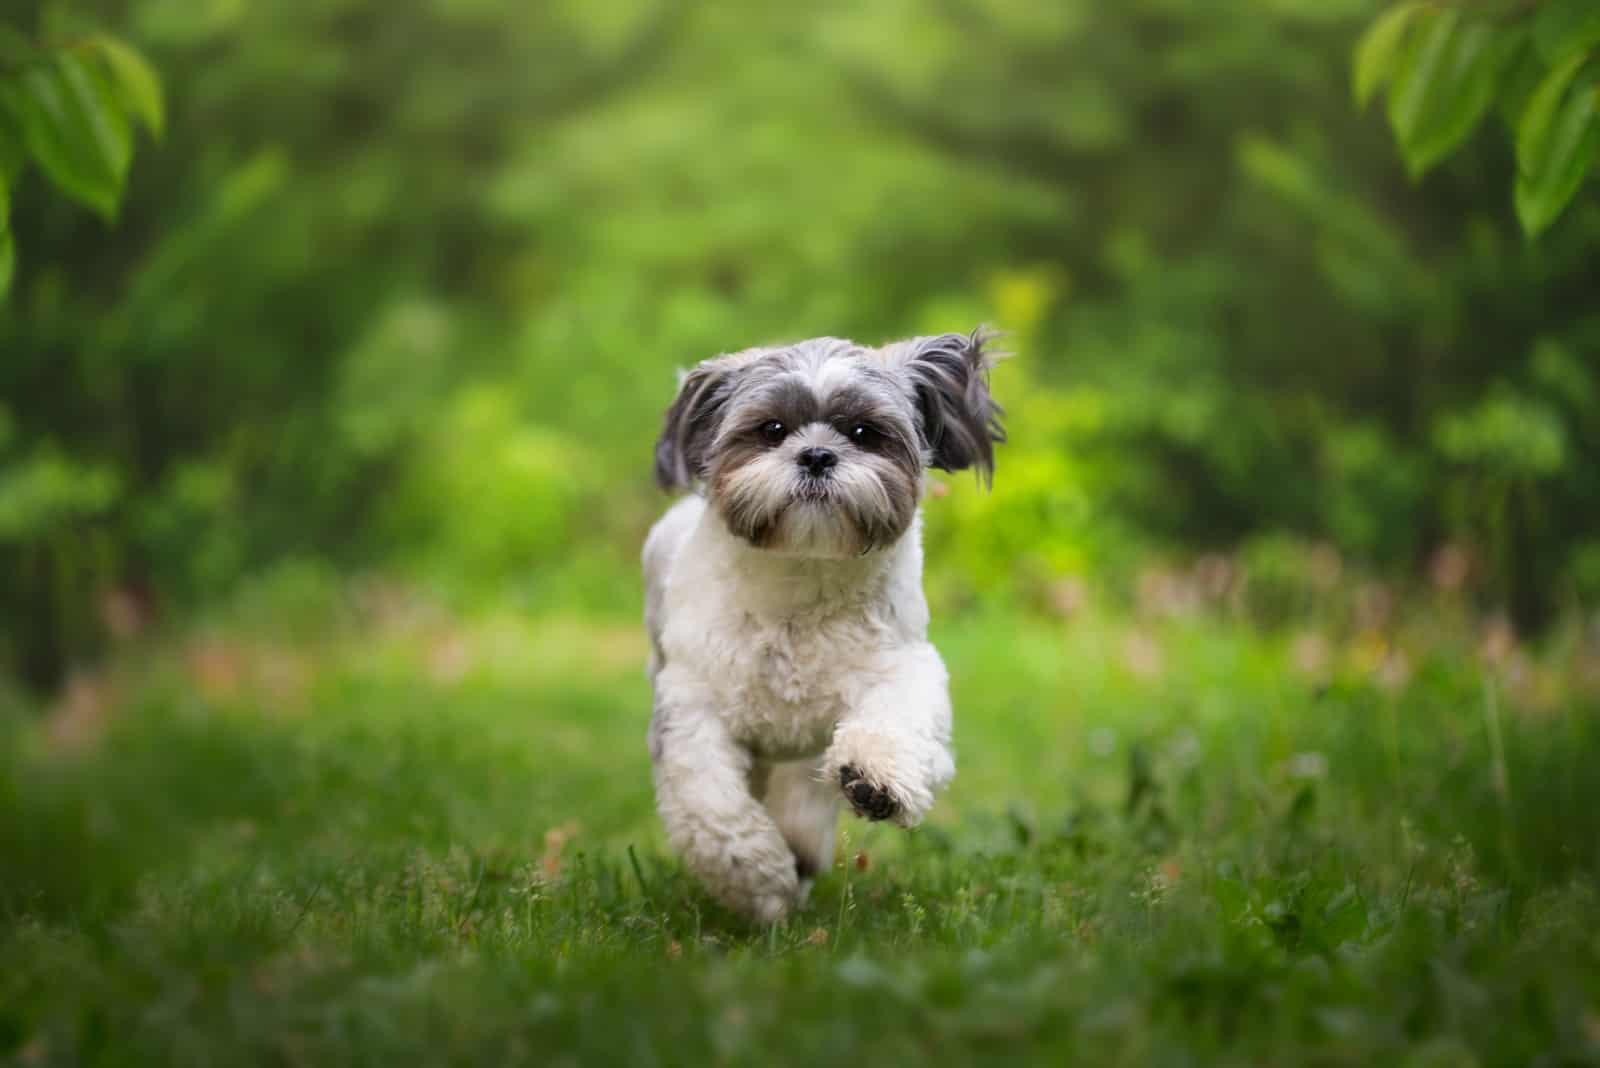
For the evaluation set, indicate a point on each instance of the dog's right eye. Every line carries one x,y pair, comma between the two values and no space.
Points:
773,432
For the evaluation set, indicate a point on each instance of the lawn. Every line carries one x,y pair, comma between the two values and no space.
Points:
361,828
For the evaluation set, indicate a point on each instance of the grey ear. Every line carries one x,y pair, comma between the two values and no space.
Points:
960,421
691,424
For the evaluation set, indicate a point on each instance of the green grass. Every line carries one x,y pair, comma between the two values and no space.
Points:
402,838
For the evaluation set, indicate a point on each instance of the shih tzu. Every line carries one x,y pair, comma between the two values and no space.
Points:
788,628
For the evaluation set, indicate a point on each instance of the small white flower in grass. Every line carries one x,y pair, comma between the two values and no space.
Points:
1498,643
1216,576
1325,567
1068,596
1185,749
1394,673
1308,765
1312,655
1155,883
1449,568
1462,860
1374,606
1142,656
1102,741
1410,839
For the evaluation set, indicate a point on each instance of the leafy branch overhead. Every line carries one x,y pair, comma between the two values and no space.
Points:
69,108
1445,67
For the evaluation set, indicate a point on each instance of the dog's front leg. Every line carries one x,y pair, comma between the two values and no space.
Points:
891,752
722,832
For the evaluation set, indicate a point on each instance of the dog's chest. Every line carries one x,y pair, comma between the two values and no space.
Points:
793,679
792,660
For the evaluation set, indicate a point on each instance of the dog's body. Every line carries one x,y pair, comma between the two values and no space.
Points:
785,608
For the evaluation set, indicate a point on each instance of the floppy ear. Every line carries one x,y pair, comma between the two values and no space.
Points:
960,420
691,424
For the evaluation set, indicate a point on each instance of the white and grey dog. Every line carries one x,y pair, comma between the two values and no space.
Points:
788,627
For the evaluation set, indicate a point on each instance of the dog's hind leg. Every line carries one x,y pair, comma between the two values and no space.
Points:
724,835
806,809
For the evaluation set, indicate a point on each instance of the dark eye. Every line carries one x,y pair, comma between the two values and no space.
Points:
868,437
772,432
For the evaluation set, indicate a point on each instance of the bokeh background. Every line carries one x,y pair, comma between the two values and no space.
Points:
404,286
325,461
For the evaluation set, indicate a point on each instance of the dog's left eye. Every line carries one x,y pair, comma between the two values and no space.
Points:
865,436
772,432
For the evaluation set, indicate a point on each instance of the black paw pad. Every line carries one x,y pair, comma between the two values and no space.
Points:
868,800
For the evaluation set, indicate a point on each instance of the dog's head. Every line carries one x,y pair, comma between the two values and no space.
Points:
819,448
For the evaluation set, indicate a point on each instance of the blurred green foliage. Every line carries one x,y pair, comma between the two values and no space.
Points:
69,99
405,284
1447,65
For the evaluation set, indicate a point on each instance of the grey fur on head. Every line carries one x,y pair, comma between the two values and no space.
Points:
818,448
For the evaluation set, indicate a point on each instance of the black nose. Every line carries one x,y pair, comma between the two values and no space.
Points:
816,461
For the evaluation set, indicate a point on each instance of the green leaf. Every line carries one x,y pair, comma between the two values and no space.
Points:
135,79
1444,85
1566,26
1417,68
74,129
1539,117
1571,149
1477,59
1519,77
1375,54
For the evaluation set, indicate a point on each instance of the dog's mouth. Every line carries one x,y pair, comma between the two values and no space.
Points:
813,490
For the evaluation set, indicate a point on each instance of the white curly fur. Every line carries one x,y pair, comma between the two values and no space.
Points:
773,672
784,600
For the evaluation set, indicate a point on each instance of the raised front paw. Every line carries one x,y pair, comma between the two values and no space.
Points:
869,800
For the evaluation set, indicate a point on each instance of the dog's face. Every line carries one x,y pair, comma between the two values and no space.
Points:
819,448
